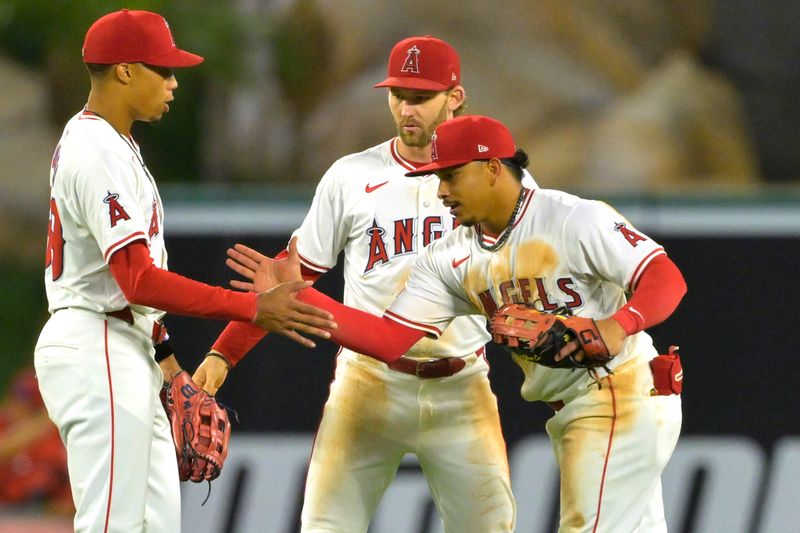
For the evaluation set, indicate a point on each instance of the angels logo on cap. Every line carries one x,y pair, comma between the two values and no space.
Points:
412,61
465,139
423,63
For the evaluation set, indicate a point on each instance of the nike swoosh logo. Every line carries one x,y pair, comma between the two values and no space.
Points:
679,376
457,262
369,188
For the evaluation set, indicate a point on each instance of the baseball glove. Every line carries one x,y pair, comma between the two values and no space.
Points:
538,337
200,429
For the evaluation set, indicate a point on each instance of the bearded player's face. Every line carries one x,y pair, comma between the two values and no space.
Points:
417,114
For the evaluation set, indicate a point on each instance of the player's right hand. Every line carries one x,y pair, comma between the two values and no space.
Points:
278,282
280,311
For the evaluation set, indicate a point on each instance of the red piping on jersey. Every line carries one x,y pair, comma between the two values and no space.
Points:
405,163
525,205
639,269
113,248
411,323
306,263
89,115
111,401
658,292
608,451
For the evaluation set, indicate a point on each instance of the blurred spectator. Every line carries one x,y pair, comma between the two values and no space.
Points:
32,456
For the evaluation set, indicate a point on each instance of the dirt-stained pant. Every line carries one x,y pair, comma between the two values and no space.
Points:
612,444
374,416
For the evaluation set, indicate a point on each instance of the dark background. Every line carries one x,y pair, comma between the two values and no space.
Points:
735,328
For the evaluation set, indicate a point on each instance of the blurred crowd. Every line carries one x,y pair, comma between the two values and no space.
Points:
32,457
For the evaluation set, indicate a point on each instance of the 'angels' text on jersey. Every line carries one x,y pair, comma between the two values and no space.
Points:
401,239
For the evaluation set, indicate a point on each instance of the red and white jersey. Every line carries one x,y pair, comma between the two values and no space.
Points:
382,219
562,251
102,197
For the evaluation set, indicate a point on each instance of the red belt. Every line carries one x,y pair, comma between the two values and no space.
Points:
125,314
437,368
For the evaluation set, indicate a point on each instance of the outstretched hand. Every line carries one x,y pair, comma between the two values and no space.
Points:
277,283
262,271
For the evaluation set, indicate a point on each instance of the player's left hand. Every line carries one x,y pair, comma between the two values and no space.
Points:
611,333
558,340
200,429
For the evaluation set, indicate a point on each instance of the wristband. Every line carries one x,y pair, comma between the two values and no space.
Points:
163,350
219,355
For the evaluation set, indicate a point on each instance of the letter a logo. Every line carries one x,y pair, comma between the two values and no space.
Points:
631,236
434,148
411,63
115,211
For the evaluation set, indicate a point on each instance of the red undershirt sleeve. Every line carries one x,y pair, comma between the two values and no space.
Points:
362,332
143,283
238,338
659,291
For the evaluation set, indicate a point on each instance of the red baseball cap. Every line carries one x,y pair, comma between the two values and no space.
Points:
465,139
134,37
424,63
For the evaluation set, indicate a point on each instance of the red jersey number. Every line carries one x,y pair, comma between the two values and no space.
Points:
54,254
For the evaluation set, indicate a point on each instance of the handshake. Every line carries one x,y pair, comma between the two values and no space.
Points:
277,283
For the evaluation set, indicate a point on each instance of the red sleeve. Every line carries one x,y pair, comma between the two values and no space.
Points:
378,337
143,283
238,338
656,296
306,272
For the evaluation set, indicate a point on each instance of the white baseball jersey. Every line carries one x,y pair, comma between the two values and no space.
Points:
562,251
611,438
97,374
366,206
382,219
102,198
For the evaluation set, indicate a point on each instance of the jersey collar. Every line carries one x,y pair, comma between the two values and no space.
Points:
403,162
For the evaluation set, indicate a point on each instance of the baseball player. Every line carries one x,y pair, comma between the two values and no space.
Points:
435,401
108,287
612,432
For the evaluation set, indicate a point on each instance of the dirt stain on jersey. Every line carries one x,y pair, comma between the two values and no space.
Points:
531,259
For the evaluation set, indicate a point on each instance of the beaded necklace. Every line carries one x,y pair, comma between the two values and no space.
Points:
501,239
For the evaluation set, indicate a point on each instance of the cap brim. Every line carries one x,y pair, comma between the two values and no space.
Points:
175,59
430,168
407,82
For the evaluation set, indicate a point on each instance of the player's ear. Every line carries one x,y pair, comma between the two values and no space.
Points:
494,168
122,72
455,98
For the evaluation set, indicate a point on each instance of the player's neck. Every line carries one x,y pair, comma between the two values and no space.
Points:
507,200
110,110
414,154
